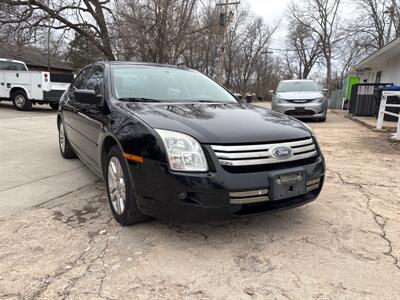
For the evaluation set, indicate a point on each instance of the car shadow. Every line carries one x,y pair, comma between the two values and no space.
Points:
271,226
8,106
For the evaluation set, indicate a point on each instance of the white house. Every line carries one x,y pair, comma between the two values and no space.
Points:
382,66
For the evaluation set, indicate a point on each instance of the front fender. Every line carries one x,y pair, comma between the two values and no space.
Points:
133,136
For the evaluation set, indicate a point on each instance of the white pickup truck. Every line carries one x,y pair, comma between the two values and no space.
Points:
25,87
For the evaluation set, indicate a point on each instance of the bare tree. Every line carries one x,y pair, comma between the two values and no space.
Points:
352,51
373,22
76,15
252,45
304,42
159,31
320,17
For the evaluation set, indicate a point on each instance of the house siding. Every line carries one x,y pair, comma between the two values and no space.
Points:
390,72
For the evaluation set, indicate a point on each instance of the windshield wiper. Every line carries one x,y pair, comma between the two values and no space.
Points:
211,101
138,99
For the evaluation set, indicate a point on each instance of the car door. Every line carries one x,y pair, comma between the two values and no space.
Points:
89,117
70,106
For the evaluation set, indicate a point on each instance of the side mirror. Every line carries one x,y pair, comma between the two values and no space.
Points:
325,91
271,91
87,97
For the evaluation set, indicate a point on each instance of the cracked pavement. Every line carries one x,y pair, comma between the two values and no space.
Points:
344,245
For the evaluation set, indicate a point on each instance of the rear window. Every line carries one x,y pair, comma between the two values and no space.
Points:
12,66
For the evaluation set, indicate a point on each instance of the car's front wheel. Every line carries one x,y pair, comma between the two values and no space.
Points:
121,194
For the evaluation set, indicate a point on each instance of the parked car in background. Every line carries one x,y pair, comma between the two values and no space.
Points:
172,143
303,99
26,88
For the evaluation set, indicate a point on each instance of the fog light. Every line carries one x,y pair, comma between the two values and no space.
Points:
182,195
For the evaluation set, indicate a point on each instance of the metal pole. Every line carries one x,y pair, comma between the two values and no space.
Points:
222,54
48,41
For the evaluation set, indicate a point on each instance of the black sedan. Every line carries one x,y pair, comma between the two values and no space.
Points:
173,144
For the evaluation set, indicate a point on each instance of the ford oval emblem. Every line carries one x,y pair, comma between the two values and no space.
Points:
282,152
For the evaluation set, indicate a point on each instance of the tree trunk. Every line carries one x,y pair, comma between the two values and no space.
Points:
328,74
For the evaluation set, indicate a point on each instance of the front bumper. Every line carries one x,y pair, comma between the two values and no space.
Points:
201,197
308,110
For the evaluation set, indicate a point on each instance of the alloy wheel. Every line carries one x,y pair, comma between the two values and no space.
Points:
116,185
61,136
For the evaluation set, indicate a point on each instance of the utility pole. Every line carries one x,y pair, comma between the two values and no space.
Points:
48,40
224,22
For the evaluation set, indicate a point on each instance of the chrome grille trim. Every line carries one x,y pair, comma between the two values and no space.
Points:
313,184
239,155
304,149
251,155
312,187
264,161
248,193
263,147
313,181
249,200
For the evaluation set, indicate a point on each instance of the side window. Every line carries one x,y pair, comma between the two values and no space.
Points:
11,66
94,79
20,67
79,82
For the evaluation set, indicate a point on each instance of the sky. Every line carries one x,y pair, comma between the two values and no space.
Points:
269,9
272,11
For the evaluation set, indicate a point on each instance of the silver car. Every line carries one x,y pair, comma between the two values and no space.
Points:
303,99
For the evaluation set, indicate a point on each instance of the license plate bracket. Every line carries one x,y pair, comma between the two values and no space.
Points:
288,185
299,109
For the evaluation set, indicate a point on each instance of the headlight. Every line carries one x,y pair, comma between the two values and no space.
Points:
319,100
279,100
184,152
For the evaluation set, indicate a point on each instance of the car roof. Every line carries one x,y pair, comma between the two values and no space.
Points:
132,63
297,80
12,60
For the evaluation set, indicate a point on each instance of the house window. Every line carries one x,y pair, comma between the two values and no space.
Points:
378,77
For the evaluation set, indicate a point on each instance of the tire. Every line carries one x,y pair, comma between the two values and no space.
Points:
322,119
21,101
53,105
122,197
65,147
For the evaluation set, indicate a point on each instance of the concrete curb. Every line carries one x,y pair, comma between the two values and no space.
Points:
369,126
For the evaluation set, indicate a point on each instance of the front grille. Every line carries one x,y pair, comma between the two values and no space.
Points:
261,154
306,112
300,100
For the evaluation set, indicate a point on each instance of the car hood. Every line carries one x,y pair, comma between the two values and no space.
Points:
220,123
300,95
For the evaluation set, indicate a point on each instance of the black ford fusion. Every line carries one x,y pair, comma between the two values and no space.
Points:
173,144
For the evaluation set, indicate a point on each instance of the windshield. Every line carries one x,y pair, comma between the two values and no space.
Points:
298,86
165,84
